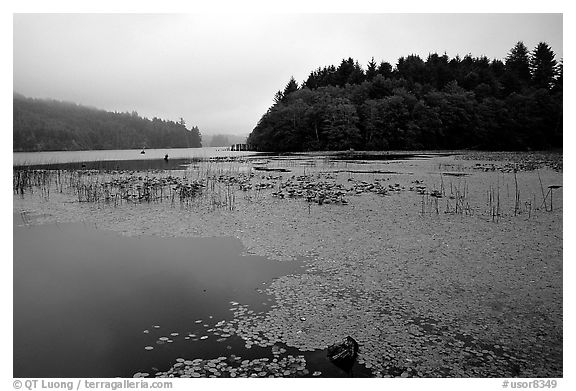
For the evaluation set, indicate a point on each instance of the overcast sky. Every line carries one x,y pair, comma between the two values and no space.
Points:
220,72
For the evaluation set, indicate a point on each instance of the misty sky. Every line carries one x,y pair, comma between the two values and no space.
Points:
220,72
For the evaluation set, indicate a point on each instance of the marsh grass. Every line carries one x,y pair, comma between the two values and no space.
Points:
24,181
214,184
457,198
494,202
206,183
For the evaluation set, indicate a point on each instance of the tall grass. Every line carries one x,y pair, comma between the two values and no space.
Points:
209,183
458,198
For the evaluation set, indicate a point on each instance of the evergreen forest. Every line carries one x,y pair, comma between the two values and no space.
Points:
436,103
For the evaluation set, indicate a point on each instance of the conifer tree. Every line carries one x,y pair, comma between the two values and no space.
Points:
291,87
518,62
543,66
371,69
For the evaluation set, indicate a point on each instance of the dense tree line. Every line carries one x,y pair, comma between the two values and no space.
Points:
49,125
437,103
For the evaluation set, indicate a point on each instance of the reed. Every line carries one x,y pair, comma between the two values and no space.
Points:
516,194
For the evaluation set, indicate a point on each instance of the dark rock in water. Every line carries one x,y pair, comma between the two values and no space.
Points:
343,353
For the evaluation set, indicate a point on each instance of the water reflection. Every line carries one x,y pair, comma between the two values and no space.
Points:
83,298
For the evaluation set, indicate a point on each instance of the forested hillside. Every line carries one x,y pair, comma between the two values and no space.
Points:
49,125
437,103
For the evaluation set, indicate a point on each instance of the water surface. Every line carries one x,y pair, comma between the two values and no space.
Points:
54,157
83,298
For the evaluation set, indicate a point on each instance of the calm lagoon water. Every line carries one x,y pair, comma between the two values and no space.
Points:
83,298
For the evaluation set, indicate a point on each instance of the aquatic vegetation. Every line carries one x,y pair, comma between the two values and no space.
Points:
234,366
411,264
510,161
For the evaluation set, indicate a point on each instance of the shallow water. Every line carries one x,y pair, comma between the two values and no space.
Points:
83,298
268,229
111,165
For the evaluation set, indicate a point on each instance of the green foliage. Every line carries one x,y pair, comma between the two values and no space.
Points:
440,103
48,125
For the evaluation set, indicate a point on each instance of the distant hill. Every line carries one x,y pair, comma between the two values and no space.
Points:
223,140
50,125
